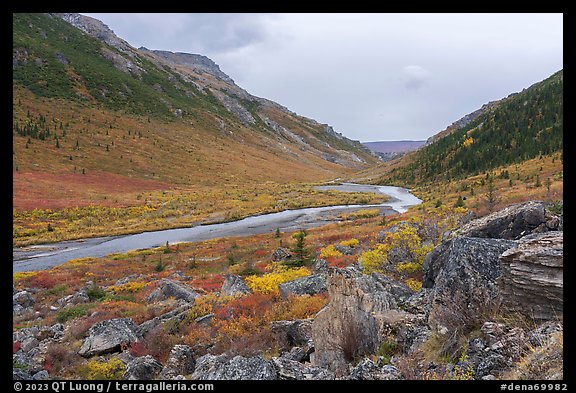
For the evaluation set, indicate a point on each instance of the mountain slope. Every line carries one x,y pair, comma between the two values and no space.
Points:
522,126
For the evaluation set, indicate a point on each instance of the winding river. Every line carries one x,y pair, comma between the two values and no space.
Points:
41,257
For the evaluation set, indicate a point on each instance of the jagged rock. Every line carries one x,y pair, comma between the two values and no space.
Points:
180,362
213,367
234,286
204,319
297,354
490,364
344,249
417,303
307,285
411,336
292,370
398,289
465,286
542,333
29,343
297,332
20,375
142,368
113,335
532,280
506,340
125,356
175,316
127,279
24,333
23,299
320,267
169,289
512,222
281,254
55,332
366,369
360,313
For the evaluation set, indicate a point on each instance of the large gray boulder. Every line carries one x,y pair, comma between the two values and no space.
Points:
113,335
297,332
234,286
220,367
168,289
180,362
307,285
142,368
511,223
464,287
22,302
532,280
360,313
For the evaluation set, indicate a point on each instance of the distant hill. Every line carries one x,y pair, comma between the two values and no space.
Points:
520,127
84,99
393,146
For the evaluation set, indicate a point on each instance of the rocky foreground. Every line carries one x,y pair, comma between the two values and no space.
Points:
491,307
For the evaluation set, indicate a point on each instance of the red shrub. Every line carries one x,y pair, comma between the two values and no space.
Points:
209,284
16,346
252,305
260,253
44,280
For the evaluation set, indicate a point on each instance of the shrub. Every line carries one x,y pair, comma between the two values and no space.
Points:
414,284
350,243
268,283
128,287
330,251
387,349
112,369
73,312
57,290
16,346
95,293
408,267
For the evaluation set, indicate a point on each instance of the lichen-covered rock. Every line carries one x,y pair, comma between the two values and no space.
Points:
297,332
167,289
366,369
220,367
307,285
180,362
23,299
142,368
175,316
511,223
281,254
292,370
234,286
465,287
532,280
113,335
320,267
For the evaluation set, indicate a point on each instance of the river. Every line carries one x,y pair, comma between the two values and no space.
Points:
41,257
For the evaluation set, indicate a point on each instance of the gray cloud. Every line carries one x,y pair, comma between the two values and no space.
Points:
420,72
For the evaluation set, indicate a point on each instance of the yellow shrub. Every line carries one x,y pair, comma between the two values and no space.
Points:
372,260
22,275
350,243
112,369
330,251
408,267
128,287
468,142
414,284
268,283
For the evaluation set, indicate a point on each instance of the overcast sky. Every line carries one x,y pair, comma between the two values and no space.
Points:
371,76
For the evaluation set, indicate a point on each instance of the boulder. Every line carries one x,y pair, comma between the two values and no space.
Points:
167,289
345,249
142,368
366,369
180,362
465,286
175,316
320,267
234,286
41,375
281,254
220,367
307,285
360,313
288,369
532,280
297,332
23,299
511,223
73,299
113,335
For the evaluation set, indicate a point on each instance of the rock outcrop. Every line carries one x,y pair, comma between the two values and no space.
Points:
180,362
167,289
512,222
142,368
464,287
234,286
109,336
307,285
532,280
220,367
281,254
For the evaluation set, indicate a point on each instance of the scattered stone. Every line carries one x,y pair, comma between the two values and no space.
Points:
142,368
23,299
281,254
234,286
292,370
113,335
366,369
71,300
169,289
41,375
344,249
307,285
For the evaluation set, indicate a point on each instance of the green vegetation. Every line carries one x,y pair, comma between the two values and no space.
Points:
73,312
